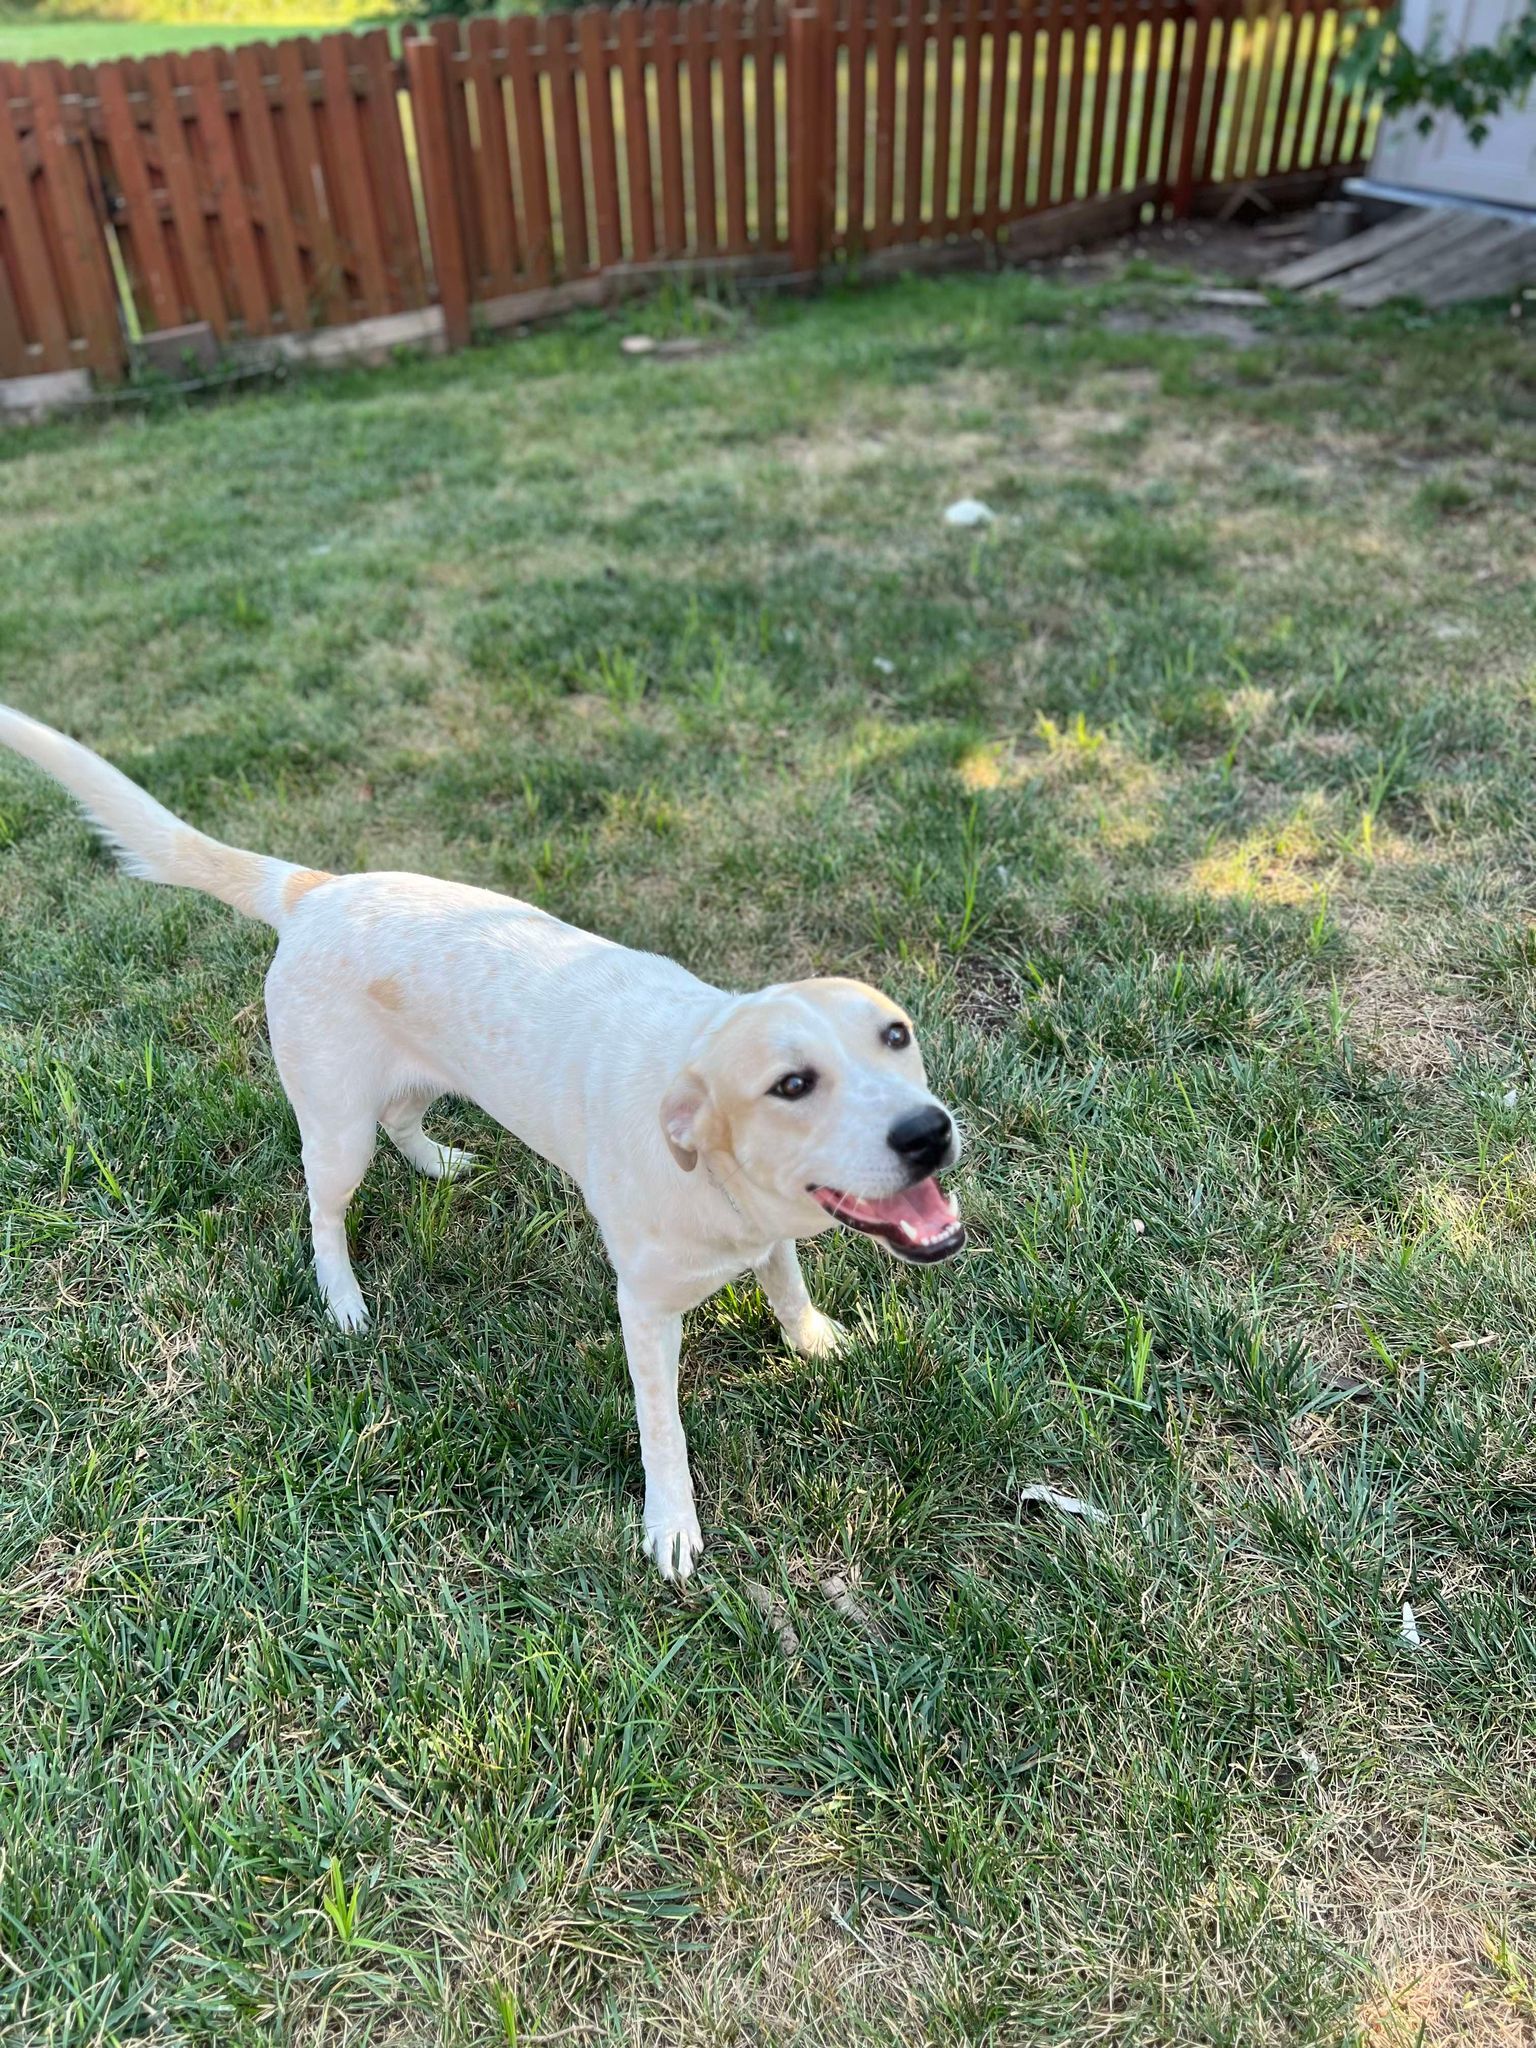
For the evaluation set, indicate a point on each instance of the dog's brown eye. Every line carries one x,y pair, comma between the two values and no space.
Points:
897,1037
790,1087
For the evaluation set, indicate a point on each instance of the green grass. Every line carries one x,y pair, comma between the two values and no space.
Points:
1191,809
91,42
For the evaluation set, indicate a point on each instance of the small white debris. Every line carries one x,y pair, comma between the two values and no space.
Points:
835,1590
1138,1228
776,1614
1002,874
969,512
1064,1503
1309,1758
1511,1097
1228,295
638,345
886,668
1410,1628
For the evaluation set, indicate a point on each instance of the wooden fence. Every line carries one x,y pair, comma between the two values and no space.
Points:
273,190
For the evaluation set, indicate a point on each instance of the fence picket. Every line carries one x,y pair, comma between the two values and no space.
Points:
315,228
275,205
856,147
1282,152
882,228
592,36
766,99
538,238
914,112
1094,180
637,136
1052,96
391,174
997,112
35,283
352,195
674,222
970,114
13,343
1129,26
1071,146
733,125
83,265
140,234
1023,111
426,66
701,126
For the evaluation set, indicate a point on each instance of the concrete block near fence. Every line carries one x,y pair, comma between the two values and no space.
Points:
35,398
178,352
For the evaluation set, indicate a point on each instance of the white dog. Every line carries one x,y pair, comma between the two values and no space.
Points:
707,1131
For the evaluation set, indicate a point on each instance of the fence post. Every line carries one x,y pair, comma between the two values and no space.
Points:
806,142
426,77
1194,97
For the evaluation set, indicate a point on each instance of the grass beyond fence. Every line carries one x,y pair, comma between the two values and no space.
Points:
1190,809
25,39
272,190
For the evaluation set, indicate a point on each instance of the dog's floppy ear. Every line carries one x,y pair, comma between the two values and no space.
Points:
688,1118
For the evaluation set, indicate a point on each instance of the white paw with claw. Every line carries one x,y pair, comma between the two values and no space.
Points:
673,1543
450,1163
345,1302
817,1336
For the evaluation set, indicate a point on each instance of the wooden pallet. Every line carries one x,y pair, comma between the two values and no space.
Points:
1433,254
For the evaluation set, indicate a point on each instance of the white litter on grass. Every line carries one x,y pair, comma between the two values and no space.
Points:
776,1614
638,345
837,1593
1309,1758
1227,295
1064,1503
1410,1628
969,512
886,668
1138,1228
1511,1098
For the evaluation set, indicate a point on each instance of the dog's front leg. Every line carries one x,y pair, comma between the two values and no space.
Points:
807,1330
653,1340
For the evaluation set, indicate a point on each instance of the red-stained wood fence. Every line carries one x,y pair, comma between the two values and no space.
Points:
270,191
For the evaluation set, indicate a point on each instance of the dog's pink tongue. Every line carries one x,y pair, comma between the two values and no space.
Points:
925,1208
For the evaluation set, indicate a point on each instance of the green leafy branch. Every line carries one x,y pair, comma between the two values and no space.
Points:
1475,85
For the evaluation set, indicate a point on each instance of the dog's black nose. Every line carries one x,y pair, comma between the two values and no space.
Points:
922,1138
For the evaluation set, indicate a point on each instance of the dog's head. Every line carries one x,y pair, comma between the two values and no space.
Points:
814,1093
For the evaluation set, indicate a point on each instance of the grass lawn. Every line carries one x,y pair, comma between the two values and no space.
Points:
1192,808
91,42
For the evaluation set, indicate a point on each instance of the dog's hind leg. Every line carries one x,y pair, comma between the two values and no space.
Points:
402,1126
336,1156
336,1088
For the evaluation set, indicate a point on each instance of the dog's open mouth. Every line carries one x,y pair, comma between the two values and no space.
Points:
921,1223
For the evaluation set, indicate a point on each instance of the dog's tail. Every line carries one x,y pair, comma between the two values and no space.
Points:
149,840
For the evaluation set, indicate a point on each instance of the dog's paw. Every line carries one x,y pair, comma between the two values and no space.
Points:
344,1301
817,1336
451,1163
674,1544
